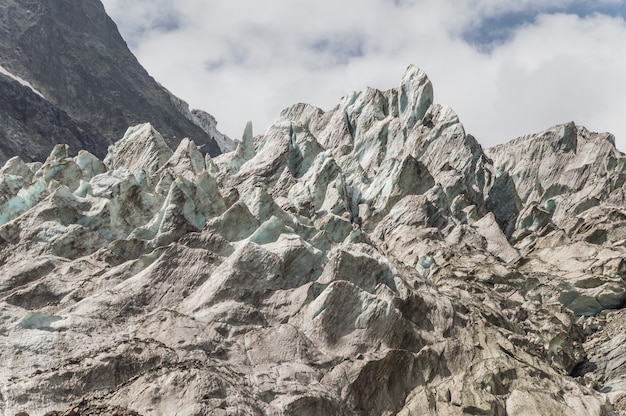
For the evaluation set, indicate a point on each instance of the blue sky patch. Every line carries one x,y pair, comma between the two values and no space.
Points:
341,49
134,30
499,29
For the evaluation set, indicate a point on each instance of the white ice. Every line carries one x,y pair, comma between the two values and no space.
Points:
21,81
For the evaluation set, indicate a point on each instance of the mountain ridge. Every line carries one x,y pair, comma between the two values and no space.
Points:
73,54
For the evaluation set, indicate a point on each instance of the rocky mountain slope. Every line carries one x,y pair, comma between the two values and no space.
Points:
368,260
67,76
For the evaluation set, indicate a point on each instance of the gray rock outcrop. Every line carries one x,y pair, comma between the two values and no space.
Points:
67,76
368,260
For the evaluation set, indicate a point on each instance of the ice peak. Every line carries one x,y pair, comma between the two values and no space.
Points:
416,95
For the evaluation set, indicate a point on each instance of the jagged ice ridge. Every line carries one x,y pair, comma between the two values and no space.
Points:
368,260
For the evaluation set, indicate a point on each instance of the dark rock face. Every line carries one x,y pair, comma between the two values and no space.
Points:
71,52
30,126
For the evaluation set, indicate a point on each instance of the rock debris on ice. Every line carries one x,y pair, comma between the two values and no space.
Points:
368,260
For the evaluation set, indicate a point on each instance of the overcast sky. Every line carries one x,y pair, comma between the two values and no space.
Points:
507,67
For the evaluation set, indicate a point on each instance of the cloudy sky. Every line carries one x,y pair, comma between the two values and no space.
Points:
507,67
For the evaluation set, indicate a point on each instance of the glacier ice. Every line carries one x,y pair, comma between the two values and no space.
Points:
38,320
357,258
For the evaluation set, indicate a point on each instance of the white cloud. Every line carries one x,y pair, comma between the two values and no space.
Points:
246,59
562,68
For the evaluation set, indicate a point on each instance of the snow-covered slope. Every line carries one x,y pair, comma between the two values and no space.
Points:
23,82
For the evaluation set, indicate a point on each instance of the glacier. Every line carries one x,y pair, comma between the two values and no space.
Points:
372,259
